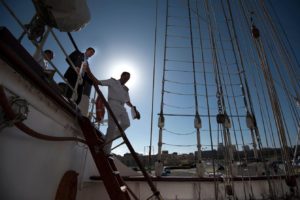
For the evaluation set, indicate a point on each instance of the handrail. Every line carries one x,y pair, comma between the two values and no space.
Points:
72,65
35,43
73,42
128,144
22,61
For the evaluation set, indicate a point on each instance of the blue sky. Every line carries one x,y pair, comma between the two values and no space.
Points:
122,32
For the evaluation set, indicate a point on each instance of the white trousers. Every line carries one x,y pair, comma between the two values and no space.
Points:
112,131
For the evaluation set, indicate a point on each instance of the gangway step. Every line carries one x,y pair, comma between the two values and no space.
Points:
113,182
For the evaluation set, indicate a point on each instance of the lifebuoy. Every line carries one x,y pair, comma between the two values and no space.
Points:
100,109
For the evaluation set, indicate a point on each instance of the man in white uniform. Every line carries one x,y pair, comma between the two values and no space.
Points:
117,97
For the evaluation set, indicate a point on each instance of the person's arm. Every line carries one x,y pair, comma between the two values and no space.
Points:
137,113
105,82
91,75
129,104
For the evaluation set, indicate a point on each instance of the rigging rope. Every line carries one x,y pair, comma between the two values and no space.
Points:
285,34
205,78
236,108
260,82
161,118
255,33
153,81
180,145
230,110
283,51
293,111
274,102
179,107
176,133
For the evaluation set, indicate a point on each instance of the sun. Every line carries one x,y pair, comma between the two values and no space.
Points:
118,67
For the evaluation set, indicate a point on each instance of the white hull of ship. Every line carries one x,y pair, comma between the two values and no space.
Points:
192,190
32,168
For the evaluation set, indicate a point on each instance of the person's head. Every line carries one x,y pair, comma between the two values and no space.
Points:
125,76
89,52
48,54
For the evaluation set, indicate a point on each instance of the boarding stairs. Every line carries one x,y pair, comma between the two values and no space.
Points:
113,182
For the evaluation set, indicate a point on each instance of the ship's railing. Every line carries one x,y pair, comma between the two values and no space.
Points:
39,51
93,110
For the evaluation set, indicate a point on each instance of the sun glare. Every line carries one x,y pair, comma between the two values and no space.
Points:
121,66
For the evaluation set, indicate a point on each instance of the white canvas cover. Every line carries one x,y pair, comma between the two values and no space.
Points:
69,15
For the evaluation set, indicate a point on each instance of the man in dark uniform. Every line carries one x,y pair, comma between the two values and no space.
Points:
79,59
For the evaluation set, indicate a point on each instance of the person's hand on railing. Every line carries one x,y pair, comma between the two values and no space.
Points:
87,70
